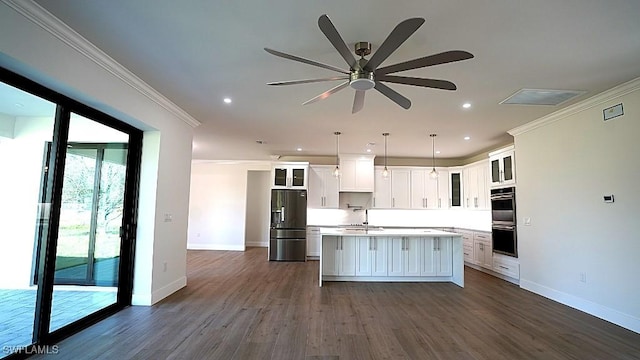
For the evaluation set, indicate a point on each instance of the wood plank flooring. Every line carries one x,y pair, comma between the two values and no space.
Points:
237,305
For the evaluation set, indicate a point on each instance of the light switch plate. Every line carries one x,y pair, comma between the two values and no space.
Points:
527,221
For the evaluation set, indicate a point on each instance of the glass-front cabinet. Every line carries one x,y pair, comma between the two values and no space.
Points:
289,175
502,166
455,187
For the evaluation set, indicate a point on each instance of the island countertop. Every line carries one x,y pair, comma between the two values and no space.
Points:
379,231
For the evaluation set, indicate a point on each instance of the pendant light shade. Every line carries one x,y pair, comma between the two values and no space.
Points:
434,172
385,171
336,171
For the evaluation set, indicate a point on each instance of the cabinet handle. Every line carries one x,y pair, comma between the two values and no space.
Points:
370,244
503,267
376,246
475,201
337,244
467,202
439,203
393,202
374,202
426,202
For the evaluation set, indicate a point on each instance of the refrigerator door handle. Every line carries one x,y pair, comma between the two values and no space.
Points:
282,214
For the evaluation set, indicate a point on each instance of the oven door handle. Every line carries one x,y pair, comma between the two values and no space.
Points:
503,227
502,197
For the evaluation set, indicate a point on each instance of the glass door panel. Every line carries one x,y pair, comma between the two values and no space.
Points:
89,242
26,126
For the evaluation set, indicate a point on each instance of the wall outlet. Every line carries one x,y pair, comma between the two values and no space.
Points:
583,277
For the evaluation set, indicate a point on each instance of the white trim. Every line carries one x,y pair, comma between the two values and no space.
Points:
257,244
154,297
619,318
44,19
196,246
587,104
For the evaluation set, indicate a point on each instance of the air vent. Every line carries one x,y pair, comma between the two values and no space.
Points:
541,97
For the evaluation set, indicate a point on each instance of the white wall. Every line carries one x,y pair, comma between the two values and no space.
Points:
218,204
258,208
566,163
50,53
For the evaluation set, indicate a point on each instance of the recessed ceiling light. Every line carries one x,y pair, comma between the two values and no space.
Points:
260,142
19,105
299,149
467,138
438,152
227,100
466,105
368,150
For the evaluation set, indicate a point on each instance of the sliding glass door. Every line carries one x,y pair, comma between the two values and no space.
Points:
68,200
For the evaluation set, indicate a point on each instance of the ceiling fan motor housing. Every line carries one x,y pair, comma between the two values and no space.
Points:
361,80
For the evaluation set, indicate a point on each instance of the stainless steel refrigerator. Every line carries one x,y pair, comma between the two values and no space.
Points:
288,235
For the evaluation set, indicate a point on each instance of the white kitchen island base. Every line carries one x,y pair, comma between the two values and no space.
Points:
391,255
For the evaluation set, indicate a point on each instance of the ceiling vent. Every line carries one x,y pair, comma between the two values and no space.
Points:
541,97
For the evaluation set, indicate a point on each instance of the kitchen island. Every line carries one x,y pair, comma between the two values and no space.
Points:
391,255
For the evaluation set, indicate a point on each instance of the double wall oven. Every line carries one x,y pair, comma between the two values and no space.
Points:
503,221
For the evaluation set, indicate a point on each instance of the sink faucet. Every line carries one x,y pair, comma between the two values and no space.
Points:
366,219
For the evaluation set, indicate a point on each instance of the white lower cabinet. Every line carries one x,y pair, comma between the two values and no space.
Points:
314,238
482,250
371,257
339,256
404,256
437,257
467,244
506,265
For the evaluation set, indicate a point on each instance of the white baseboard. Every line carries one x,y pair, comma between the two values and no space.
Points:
150,299
257,244
196,246
614,316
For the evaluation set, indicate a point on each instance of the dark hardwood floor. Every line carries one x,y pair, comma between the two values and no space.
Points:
240,306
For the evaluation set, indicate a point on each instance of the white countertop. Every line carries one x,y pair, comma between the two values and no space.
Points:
378,231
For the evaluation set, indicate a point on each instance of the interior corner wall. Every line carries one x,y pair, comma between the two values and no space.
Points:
258,208
30,50
564,169
217,206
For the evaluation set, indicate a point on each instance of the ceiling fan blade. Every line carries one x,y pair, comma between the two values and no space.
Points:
327,28
430,83
393,95
303,60
326,94
437,59
358,101
307,81
398,36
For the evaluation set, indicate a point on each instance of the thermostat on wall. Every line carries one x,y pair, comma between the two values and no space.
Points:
608,198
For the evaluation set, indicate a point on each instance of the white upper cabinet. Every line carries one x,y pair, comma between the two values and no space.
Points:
443,189
289,175
382,189
323,188
476,186
400,188
424,190
356,173
502,167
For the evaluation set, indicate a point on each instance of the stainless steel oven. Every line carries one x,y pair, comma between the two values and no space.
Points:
503,221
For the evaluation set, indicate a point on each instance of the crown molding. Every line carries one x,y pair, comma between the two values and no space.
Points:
596,100
45,20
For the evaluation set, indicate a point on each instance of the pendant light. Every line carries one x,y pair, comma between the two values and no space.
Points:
336,171
385,172
434,172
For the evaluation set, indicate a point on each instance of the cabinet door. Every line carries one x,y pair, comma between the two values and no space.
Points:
429,260
298,177
496,176
348,254
445,256
413,256
443,190
482,200
379,256
315,197
508,169
382,191
347,174
400,189
395,249
364,248
280,177
455,186
418,187
314,238
330,255
431,191
331,185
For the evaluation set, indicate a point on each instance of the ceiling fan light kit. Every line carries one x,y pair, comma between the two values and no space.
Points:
365,74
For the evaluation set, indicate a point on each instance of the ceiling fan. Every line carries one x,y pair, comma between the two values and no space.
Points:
365,74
